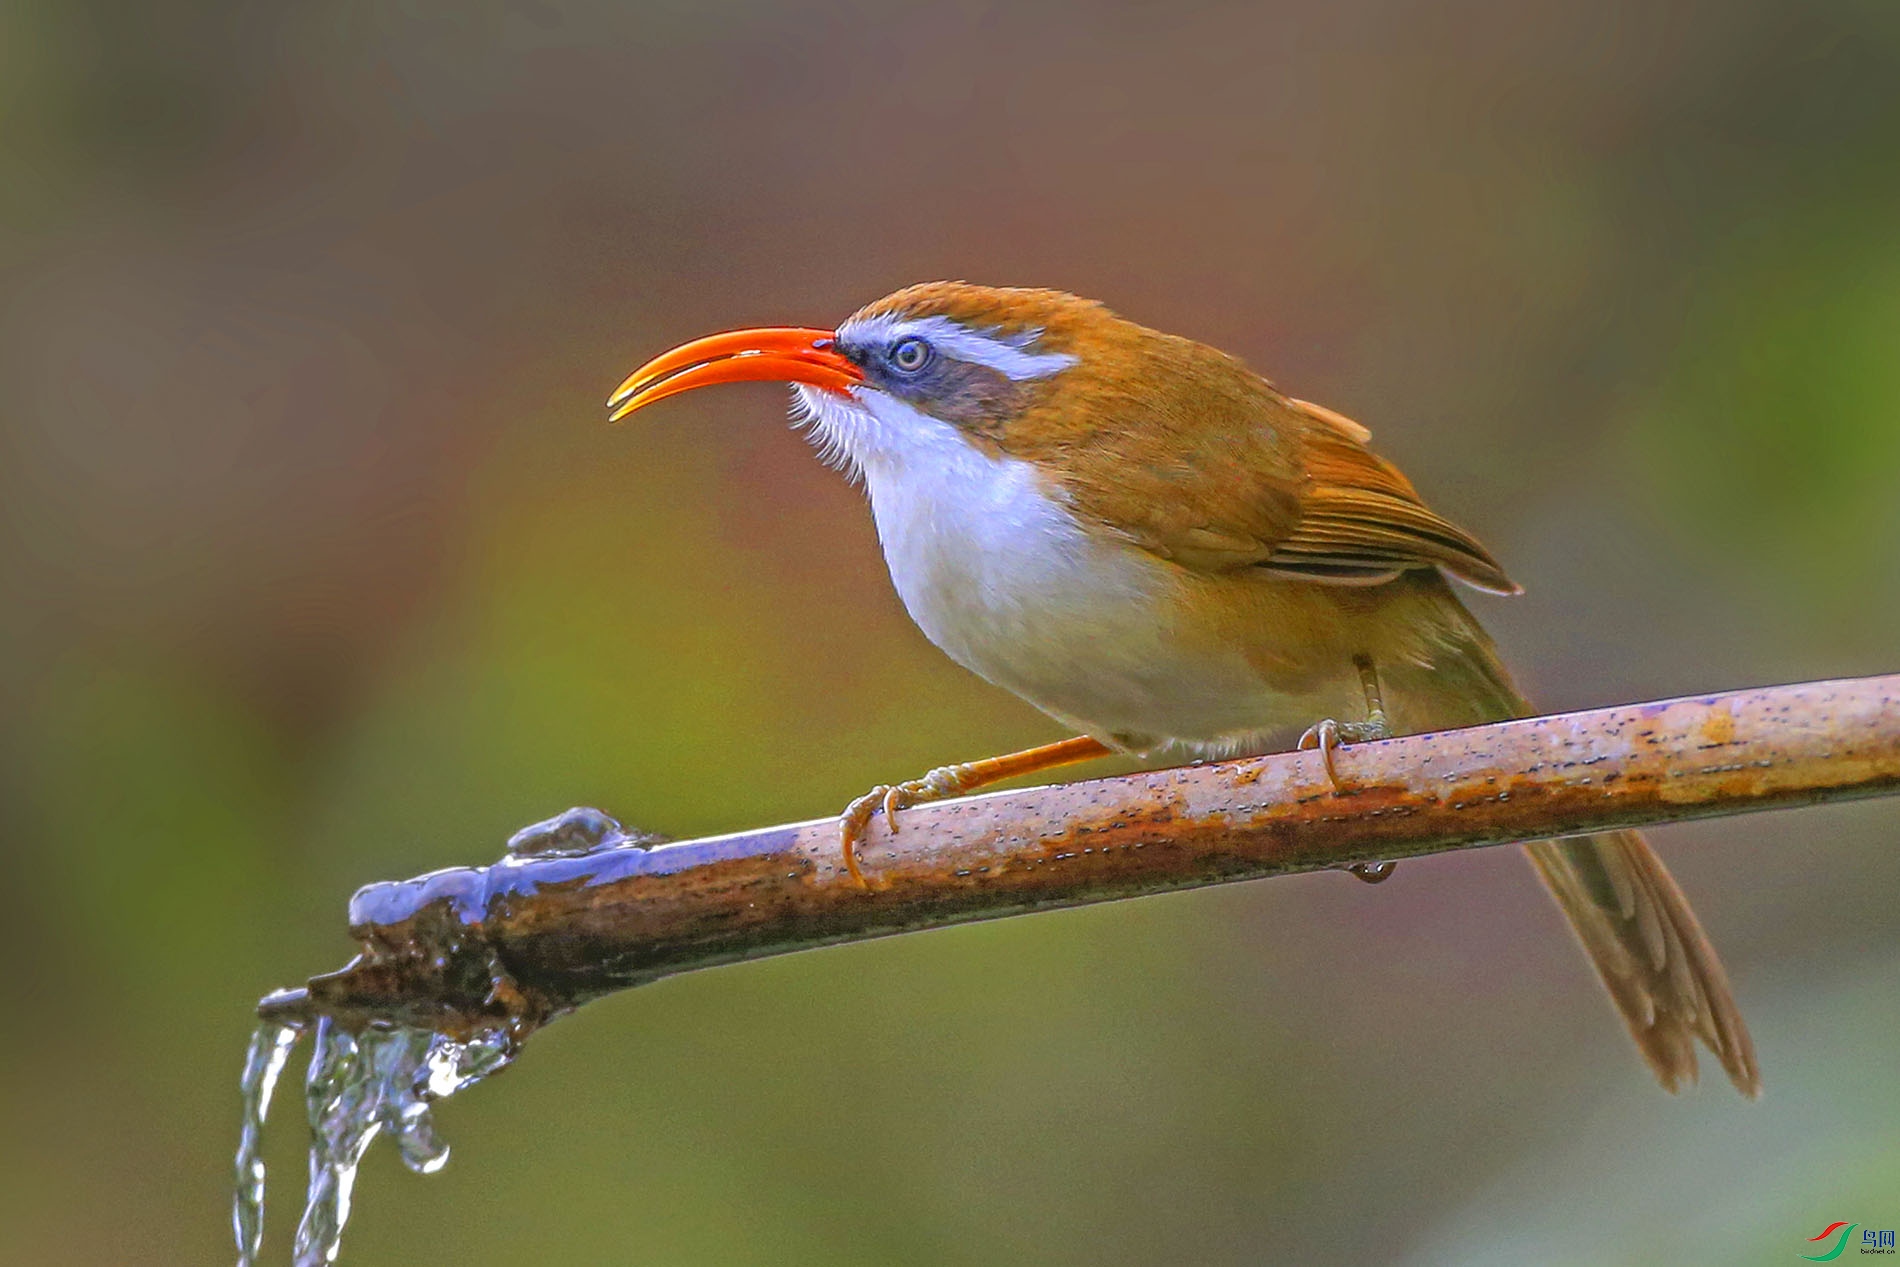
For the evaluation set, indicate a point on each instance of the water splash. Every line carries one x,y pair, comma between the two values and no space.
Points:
359,1085
376,1065
270,1049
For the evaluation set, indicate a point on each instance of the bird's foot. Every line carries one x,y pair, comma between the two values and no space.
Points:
944,781
1329,736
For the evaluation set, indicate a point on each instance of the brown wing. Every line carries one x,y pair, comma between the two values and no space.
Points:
1362,521
1209,466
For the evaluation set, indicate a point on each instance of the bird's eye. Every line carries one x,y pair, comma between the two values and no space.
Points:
909,354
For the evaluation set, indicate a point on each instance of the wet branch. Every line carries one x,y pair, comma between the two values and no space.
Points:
580,907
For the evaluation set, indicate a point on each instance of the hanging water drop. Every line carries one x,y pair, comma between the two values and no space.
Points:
1373,872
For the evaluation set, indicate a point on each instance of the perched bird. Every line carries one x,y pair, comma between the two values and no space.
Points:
1150,543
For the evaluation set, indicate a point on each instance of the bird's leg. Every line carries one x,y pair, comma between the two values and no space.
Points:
1330,734
954,780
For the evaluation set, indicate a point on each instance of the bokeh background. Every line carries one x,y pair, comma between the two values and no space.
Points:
320,567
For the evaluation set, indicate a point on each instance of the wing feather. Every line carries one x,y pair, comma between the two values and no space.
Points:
1225,473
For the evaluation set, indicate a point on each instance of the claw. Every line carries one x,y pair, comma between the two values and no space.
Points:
1325,737
852,822
891,798
1329,736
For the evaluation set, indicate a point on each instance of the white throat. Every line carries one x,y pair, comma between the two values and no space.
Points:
973,541
947,513
985,553
997,571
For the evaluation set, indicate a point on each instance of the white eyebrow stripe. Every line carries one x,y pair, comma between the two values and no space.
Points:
1007,355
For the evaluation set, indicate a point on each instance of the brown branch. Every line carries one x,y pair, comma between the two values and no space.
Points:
541,932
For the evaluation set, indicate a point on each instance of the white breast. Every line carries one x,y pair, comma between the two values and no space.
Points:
989,564
996,571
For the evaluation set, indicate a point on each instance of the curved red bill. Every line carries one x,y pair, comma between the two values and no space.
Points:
785,354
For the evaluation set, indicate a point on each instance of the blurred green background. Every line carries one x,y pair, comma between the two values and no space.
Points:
320,567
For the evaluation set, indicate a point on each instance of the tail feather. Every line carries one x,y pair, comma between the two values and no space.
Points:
1653,957
1627,911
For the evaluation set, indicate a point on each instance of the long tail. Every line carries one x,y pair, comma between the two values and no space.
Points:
1655,960
1628,913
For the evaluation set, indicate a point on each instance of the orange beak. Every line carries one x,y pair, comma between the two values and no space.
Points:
776,354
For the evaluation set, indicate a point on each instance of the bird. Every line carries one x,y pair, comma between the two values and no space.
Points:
1155,546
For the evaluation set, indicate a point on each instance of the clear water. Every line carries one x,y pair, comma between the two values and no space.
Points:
270,1049
358,1086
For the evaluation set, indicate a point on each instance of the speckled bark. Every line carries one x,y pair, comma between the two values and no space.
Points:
535,935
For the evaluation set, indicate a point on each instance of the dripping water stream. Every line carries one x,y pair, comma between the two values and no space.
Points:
270,1049
382,1068
361,1085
